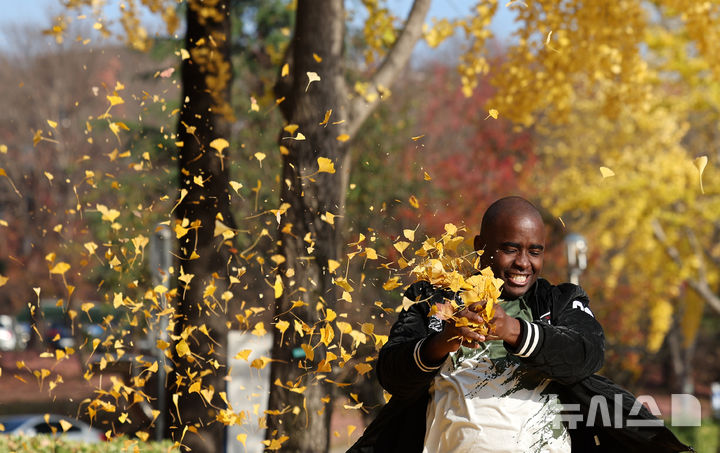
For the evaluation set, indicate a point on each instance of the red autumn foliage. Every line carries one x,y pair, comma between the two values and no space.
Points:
471,157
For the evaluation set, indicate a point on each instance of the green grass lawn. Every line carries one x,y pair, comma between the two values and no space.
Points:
704,438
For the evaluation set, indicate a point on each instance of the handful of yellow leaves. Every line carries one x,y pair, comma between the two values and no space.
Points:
445,264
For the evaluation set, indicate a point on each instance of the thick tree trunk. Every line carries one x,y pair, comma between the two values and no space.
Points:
308,238
205,116
311,241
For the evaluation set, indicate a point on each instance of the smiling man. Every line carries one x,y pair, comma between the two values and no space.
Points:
455,390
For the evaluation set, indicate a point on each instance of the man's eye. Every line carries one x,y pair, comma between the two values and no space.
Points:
509,250
536,252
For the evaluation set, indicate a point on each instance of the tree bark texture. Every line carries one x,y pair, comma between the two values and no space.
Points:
310,242
204,199
307,240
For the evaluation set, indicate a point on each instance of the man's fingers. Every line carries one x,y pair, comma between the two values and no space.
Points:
472,335
471,316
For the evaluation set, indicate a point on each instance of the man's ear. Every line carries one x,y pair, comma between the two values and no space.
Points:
478,243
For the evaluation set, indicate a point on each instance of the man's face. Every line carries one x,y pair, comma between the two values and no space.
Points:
514,247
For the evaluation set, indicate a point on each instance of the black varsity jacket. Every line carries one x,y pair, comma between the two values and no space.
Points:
564,341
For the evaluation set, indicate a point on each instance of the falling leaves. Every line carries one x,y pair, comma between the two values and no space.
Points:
60,268
606,172
414,202
325,165
219,144
312,77
115,100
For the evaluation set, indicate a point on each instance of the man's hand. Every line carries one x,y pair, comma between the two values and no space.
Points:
453,335
503,327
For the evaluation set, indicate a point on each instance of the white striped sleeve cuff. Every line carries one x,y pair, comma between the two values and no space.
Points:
419,362
530,339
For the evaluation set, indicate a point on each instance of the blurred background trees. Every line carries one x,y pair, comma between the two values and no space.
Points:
600,112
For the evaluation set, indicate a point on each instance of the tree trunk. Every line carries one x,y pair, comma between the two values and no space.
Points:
309,239
204,199
311,242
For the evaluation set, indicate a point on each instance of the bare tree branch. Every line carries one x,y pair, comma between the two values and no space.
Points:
662,237
393,63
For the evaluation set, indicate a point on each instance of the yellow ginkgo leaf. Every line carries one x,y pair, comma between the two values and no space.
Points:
243,355
328,217
3,280
259,329
65,425
219,144
182,348
115,100
285,70
236,186
392,283
312,77
606,172
363,368
108,214
332,266
278,286
327,118
414,202
409,234
343,138
400,246
282,326
326,165
60,268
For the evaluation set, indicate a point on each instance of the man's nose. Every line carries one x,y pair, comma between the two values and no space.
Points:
522,260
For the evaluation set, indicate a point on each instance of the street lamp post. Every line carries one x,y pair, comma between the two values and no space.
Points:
576,249
160,263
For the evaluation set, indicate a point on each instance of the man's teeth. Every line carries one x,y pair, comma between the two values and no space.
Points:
519,279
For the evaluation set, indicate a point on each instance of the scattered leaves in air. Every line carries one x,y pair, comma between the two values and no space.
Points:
492,113
447,265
